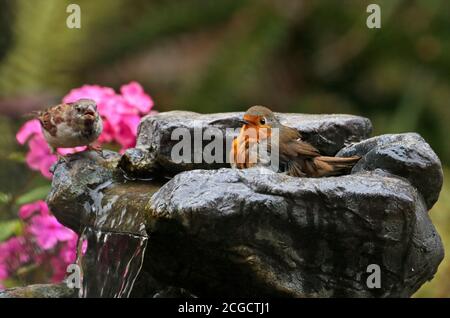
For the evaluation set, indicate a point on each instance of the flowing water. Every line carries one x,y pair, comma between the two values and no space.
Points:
111,263
116,240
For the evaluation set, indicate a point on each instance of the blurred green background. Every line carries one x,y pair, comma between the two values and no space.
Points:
223,55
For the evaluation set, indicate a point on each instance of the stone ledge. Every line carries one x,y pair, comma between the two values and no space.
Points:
329,133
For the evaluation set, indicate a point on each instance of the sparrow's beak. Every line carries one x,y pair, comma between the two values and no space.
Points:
90,111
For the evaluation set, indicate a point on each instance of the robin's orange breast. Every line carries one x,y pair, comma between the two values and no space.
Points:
244,150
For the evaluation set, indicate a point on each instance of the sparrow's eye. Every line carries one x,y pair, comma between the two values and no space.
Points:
262,121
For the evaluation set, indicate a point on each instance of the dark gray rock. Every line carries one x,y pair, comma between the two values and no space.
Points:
39,291
173,292
89,190
405,155
328,133
73,182
243,233
92,197
257,233
139,164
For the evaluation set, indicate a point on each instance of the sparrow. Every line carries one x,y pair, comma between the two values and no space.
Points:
296,157
70,125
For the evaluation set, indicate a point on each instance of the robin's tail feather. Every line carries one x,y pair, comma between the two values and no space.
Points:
333,166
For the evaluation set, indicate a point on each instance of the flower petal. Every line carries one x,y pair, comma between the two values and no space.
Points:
135,96
29,129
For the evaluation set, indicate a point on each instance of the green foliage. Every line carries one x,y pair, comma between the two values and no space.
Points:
45,52
238,62
150,22
10,228
34,194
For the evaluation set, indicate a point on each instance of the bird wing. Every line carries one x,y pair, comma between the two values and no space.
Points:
300,148
295,154
46,121
53,116
292,146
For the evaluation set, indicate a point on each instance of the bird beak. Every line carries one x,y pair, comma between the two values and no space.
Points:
243,122
90,111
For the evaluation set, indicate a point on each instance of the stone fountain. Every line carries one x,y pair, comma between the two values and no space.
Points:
206,230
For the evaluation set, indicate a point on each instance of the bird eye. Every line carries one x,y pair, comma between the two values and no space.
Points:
262,121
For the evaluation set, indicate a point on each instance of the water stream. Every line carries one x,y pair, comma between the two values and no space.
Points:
116,241
111,263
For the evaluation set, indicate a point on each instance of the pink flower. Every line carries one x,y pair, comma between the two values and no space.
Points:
29,129
135,96
48,231
45,241
12,256
3,274
67,151
98,93
67,255
108,133
68,252
27,210
13,252
40,157
58,268
125,131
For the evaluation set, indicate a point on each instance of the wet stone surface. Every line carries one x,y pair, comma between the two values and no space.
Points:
328,133
39,291
226,232
405,155
274,235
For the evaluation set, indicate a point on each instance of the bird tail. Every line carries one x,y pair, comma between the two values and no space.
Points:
32,114
333,166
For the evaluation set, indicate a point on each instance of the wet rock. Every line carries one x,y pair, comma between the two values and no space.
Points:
139,163
247,233
328,133
405,155
89,190
39,291
173,292
91,196
73,182
224,232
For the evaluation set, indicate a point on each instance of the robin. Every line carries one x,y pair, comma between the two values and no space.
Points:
296,157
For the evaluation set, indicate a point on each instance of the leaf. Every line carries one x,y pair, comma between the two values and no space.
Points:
17,157
4,197
36,194
10,228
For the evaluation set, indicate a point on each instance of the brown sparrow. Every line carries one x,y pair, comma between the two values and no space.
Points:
70,125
